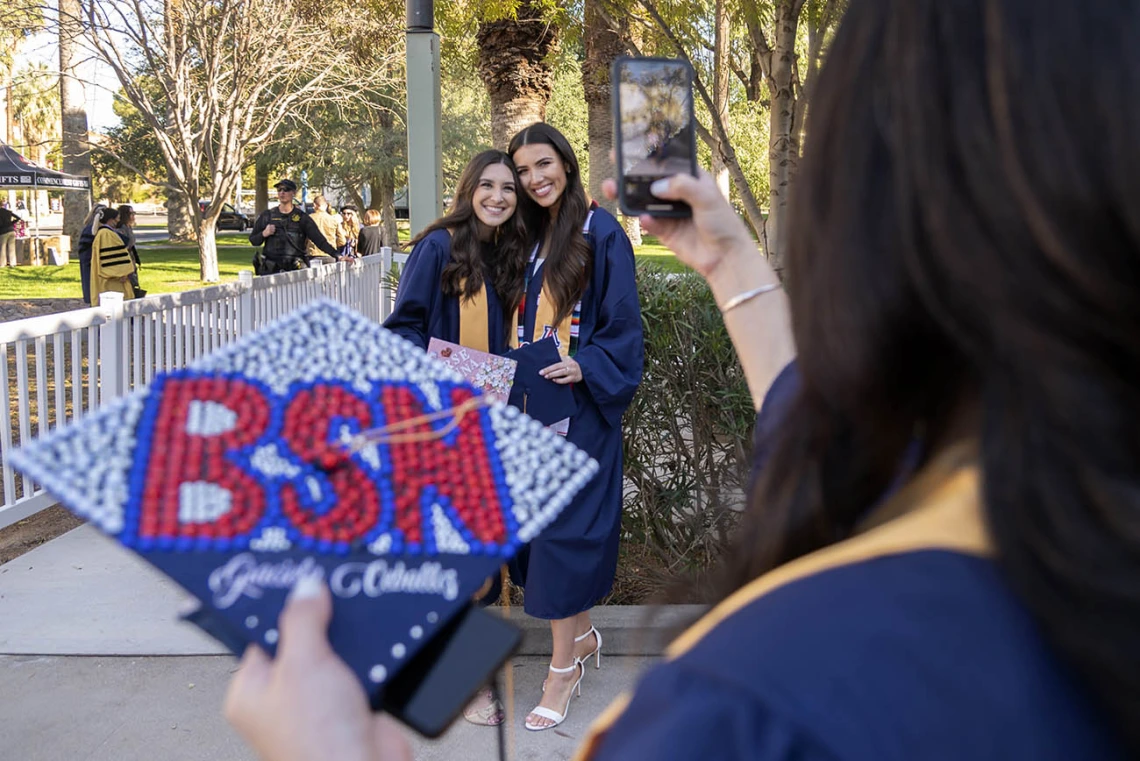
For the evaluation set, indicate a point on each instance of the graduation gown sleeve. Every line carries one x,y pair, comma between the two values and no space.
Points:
612,359
418,295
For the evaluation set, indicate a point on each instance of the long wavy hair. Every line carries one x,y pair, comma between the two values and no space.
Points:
570,258
965,234
504,265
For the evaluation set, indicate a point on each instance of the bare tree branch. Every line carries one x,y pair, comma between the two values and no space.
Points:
206,77
720,139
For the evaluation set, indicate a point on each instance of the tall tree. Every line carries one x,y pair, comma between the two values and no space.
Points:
774,55
223,82
772,28
715,134
74,145
18,20
515,64
181,210
721,82
35,104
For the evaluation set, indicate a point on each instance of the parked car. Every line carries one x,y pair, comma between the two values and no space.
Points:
229,219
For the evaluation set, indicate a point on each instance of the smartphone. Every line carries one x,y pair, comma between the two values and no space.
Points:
654,131
431,691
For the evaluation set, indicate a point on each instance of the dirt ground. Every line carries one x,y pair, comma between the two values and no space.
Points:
33,531
17,309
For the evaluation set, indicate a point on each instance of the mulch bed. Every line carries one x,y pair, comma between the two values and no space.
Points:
24,536
18,309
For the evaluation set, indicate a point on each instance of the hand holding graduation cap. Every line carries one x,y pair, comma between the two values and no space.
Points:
566,371
306,704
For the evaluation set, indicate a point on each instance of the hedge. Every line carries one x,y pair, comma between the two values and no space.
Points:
686,438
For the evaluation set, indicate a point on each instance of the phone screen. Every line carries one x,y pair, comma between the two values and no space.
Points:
655,130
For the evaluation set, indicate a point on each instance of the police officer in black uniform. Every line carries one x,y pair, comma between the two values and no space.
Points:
283,231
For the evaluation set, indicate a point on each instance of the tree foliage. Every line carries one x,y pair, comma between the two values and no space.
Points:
212,81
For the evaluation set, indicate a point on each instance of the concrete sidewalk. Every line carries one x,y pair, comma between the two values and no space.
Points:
95,665
169,709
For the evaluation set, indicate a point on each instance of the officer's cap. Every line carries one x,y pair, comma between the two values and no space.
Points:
286,185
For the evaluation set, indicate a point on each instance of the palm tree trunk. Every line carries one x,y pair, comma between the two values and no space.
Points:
514,63
76,154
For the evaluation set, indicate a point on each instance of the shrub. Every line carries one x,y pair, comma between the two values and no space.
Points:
686,438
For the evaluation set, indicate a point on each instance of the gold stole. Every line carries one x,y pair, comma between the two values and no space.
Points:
544,316
474,324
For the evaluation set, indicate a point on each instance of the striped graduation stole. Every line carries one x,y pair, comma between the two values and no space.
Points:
575,316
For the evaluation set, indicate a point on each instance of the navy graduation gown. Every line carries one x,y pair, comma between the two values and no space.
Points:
904,642
423,312
572,563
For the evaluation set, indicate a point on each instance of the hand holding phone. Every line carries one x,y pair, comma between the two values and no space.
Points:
654,131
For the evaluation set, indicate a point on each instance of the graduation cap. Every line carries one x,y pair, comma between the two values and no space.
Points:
324,444
544,400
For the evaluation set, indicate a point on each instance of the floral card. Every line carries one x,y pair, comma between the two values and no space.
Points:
493,374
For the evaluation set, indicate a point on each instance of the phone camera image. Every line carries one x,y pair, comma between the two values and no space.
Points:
655,130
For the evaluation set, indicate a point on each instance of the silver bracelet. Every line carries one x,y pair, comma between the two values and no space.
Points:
741,298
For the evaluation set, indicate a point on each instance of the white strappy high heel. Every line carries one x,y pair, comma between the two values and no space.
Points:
597,653
548,713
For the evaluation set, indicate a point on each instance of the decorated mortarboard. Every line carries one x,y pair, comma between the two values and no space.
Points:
544,400
320,444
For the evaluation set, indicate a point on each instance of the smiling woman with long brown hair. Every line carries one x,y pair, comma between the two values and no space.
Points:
464,278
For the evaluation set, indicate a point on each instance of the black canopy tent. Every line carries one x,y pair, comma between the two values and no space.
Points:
16,172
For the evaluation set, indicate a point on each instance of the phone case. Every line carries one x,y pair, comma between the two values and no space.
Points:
628,206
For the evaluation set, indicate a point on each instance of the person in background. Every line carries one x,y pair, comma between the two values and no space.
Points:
350,231
284,230
371,238
581,289
329,226
126,230
963,242
8,222
111,262
83,250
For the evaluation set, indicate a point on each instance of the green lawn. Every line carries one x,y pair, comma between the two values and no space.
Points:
172,268
165,269
652,251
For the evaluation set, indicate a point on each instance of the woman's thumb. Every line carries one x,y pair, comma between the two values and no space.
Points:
679,187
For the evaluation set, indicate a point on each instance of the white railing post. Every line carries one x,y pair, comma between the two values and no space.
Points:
385,288
245,303
111,380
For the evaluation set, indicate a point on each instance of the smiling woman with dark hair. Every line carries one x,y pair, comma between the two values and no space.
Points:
464,278
582,291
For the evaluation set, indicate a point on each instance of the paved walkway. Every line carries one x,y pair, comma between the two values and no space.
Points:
94,665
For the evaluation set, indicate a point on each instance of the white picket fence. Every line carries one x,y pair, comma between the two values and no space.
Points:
60,367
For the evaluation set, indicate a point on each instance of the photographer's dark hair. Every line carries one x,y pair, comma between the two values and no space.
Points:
569,259
965,236
463,275
125,214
